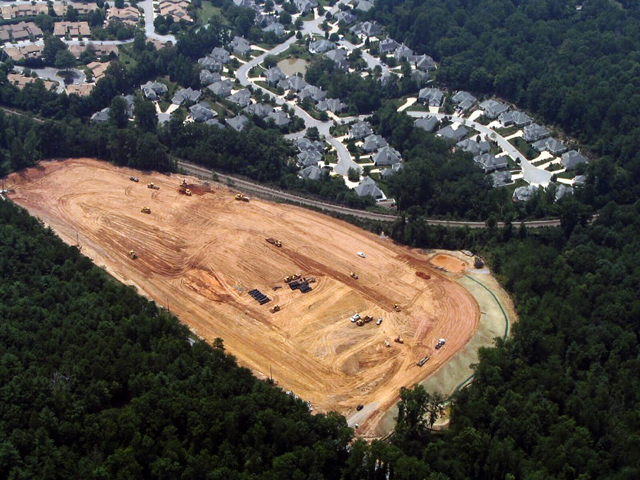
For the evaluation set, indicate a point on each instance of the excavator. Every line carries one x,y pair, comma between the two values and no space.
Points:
184,189
132,254
145,210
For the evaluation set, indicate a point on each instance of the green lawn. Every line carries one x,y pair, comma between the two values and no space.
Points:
553,167
125,58
540,162
567,174
207,11
505,132
524,148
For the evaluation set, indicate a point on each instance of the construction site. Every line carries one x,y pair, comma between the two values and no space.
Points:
280,285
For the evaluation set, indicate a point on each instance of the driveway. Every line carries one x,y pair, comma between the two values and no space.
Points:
149,29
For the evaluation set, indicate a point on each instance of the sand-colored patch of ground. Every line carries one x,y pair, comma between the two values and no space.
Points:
449,263
201,254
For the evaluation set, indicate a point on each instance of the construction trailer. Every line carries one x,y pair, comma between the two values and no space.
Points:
153,186
423,360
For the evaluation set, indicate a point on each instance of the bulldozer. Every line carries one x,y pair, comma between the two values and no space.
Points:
354,275
241,197
184,189
145,210
153,186
398,340
132,254
396,307
274,309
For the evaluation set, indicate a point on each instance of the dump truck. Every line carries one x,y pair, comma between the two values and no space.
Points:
145,210
398,340
368,318
396,307
360,322
153,186
440,343
241,197
423,361
274,309
134,179
132,254
354,275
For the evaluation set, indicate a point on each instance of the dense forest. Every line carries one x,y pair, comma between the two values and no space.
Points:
577,68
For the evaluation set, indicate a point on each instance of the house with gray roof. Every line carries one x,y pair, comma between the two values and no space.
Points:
420,77
308,157
311,91
501,178
451,134
274,75
277,28
514,117
364,5
366,29
238,122
551,145
360,130
212,122
201,112
524,194
279,118
560,190
424,63
332,104
321,46
346,17
492,109
388,172
489,162
428,123
129,100
572,159
186,95
386,156
339,57
464,101
403,53
154,90
474,147
101,116
259,109
387,77
373,143
221,88
221,55
304,6
303,144
241,97
368,187
210,63
240,45
580,180
431,96
296,83
312,172
388,45
534,132
207,77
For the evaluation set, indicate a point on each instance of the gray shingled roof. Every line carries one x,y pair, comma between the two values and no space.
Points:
428,123
572,159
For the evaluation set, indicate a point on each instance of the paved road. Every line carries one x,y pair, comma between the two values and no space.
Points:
245,185
533,175
149,29
50,73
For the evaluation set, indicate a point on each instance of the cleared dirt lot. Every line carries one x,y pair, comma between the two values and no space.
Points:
200,255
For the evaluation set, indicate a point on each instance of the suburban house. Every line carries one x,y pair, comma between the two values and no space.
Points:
101,116
524,194
277,28
240,45
129,15
210,63
360,130
221,88
176,10
339,57
500,179
304,6
373,143
24,10
403,53
80,89
464,101
303,144
201,112
346,17
364,5
154,90
514,117
368,187
366,29
274,76
312,172
279,118
386,156
186,95
420,77
207,77
387,77
489,162
20,81
388,45
474,147
20,31
492,109
308,157
561,190
241,97
534,132
332,104
388,172
296,83
572,159
71,29
259,109
431,96
449,132
221,55
238,122
424,63
98,69
81,7
551,145
580,180
428,123
313,92
321,46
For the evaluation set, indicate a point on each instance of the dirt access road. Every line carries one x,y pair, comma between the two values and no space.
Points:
201,254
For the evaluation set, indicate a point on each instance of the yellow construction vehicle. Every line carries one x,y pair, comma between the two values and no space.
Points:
367,318
132,254
274,309
275,242
184,189
153,186
396,307
187,192
354,275
360,322
145,210
291,278
241,197
398,340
